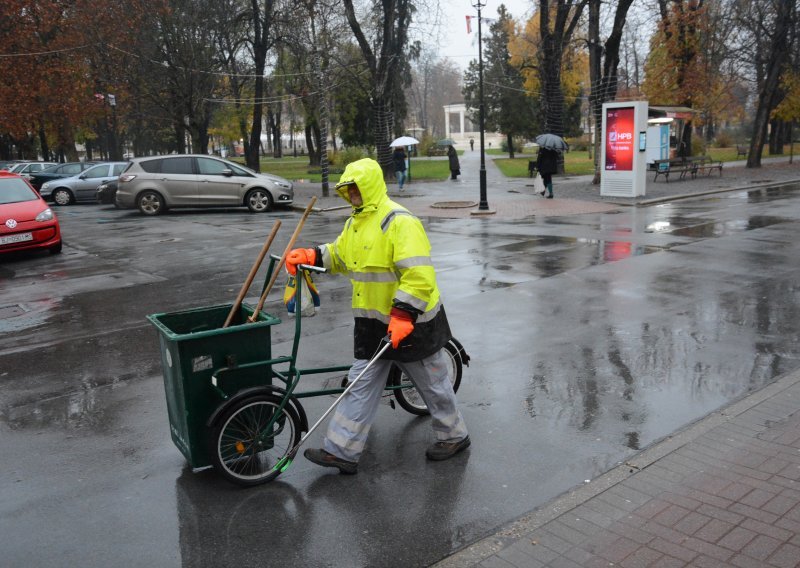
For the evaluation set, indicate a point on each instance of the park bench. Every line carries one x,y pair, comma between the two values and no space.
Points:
682,166
705,165
672,166
741,150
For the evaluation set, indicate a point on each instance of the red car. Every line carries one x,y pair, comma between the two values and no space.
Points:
26,221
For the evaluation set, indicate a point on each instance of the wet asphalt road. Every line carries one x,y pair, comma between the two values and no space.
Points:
591,337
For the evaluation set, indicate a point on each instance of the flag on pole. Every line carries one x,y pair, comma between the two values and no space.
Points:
469,24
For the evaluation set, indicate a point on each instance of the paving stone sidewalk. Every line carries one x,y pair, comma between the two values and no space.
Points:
723,492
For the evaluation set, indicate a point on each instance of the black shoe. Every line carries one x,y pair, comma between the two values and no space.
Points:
446,450
541,193
550,196
326,459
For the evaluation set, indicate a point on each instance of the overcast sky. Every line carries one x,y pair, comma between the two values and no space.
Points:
462,47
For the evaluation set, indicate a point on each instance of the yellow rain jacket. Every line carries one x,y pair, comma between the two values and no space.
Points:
386,254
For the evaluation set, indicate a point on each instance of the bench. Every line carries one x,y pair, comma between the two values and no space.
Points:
741,150
682,166
705,165
671,166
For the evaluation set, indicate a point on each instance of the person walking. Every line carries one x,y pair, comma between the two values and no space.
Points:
455,167
399,157
547,164
472,144
385,252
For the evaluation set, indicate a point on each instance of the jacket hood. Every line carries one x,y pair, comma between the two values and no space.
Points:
368,176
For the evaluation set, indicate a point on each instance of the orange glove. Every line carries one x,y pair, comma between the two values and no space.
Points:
300,256
401,325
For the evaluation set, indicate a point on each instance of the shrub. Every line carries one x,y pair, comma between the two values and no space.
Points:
343,157
723,140
698,146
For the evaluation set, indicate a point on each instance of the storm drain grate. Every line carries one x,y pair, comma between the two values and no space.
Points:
11,311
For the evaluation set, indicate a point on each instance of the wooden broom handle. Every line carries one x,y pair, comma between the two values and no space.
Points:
281,262
253,272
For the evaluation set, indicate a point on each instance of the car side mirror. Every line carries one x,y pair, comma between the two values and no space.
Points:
227,173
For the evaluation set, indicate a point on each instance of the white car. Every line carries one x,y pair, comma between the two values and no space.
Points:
81,187
26,169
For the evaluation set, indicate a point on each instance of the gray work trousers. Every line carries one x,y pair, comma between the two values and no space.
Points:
348,429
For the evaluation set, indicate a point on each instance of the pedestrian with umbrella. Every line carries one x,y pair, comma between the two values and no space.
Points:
399,158
550,146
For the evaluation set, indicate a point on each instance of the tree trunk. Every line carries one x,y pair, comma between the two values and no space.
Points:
768,92
43,143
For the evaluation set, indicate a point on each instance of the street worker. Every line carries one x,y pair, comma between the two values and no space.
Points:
385,252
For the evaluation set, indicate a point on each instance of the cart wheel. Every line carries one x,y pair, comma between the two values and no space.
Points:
242,451
409,398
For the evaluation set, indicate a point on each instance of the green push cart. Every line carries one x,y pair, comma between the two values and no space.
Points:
235,406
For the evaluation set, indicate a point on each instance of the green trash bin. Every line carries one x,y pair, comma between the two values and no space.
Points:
194,345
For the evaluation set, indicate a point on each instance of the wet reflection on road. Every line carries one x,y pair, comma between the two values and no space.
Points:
591,337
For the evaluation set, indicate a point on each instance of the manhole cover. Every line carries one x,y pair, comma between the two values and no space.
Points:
454,204
11,311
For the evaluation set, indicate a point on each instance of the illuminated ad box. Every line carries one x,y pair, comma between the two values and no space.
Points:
623,160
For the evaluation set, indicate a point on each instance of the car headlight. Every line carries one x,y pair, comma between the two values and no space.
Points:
283,184
46,185
46,215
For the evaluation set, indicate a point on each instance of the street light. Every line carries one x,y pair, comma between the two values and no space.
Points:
484,204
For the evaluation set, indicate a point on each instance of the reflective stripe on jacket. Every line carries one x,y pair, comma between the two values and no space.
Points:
385,252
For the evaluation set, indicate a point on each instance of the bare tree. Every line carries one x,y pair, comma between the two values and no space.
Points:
604,84
558,21
383,54
772,26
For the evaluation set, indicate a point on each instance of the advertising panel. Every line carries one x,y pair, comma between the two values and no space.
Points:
620,130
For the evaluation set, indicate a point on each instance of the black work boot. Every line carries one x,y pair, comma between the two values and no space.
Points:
327,459
446,450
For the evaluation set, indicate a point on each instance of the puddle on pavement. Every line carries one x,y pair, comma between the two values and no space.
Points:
725,228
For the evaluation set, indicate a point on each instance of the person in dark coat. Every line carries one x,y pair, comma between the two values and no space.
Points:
455,167
399,158
547,164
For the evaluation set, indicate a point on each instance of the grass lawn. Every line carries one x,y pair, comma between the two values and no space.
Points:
296,169
433,169
579,163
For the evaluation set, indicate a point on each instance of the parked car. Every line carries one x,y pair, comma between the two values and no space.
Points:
26,169
82,187
26,221
107,192
155,184
59,171
5,165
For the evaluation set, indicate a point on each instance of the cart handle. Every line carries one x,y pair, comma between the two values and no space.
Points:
308,267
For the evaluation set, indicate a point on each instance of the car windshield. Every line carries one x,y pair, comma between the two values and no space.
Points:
15,190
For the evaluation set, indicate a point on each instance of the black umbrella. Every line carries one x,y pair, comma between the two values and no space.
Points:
552,142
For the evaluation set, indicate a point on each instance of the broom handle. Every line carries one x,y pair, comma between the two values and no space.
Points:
253,271
281,262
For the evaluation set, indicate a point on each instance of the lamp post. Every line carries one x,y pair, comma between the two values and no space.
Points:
484,204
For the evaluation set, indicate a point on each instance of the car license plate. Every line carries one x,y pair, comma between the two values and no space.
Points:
20,238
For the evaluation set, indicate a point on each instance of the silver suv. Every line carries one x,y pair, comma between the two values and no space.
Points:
157,183
81,187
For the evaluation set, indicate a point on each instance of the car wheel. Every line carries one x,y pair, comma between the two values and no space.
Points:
56,249
62,196
258,200
151,203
